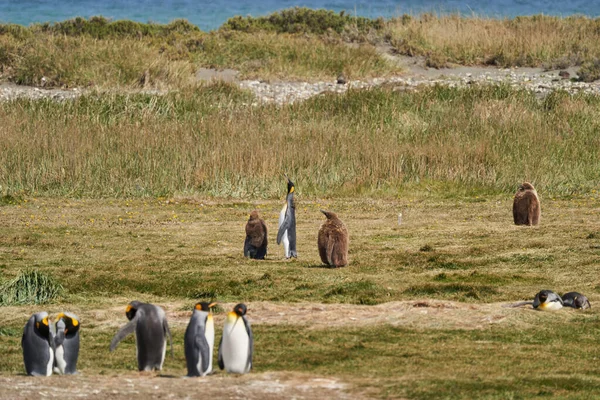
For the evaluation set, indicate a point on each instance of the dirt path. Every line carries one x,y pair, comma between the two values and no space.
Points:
266,386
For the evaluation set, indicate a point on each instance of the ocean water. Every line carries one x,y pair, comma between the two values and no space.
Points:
210,15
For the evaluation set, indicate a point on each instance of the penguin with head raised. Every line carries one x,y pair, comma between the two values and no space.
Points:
66,343
38,352
255,245
199,340
576,300
333,241
287,223
149,323
526,205
547,300
237,343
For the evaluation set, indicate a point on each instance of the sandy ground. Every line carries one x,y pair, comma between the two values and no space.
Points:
266,386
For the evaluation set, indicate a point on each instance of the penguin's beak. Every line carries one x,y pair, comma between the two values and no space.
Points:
211,305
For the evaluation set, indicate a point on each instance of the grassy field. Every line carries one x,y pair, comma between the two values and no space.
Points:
465,253
292,44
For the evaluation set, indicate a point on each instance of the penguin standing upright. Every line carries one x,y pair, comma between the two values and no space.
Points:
199,340
547,300
38,353
255,245
237,343
287,223
66,344
333,241
149,323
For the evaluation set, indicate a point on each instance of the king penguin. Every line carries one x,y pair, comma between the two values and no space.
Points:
38,353
333,241
66,344
255,245
199,340
547,300
149,323
237,343
287,223
576,300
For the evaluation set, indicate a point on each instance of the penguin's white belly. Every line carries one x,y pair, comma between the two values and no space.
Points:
284,238
551,306
235,349
61,364
164,352
209,333
50,362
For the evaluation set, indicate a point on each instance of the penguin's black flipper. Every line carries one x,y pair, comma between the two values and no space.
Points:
202,345
250,340
125,331
220,360
168,333
282,228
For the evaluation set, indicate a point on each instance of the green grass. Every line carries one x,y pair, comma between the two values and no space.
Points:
379,142
29,287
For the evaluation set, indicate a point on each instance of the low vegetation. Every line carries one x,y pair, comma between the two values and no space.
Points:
29,287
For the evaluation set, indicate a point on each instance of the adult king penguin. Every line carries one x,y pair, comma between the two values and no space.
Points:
149,323
547,300
199,340
237,343
576,300
66,344
287,223
38,353
333,241
255,245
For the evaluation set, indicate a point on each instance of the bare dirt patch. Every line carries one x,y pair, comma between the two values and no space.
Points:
149,385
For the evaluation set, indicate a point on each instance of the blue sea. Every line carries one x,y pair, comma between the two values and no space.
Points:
210,15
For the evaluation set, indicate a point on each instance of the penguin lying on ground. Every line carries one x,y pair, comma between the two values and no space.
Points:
333,241
287,223
149,323
199,340
576,300
66,344
237,343
38,353
547,300
255,245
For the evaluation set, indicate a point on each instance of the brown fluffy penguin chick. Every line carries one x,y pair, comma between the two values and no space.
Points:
526,206
256,242
333,241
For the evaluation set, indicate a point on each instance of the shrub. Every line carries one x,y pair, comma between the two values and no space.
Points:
30,287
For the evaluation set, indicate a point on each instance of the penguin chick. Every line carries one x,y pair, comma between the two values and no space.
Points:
66,343
199,340
526,205
149,323
255,245
38,353
237,343
333,241
547,300
287,223
576,300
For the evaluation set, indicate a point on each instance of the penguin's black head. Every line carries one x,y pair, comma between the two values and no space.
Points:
132,309
71,323
291,187
543,296
204,306
41,324
240,309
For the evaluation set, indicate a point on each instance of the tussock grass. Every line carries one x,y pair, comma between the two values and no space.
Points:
380,141
523,41
30,287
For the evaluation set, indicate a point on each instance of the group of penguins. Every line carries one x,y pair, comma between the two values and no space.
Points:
54,348
332,239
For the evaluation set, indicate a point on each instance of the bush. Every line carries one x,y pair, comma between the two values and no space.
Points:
30,287
590,71
303,20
